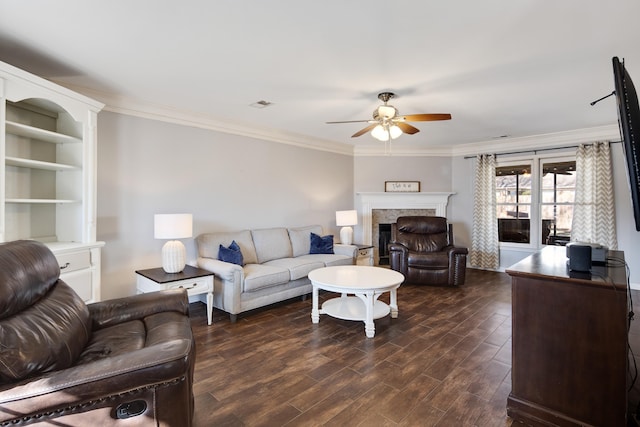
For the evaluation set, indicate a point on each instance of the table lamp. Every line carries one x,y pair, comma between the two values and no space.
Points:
346,219
173,226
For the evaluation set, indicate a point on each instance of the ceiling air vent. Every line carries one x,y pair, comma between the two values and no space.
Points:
261,104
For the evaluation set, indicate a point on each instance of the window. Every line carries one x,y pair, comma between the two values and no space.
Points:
534,201
513,201
556,203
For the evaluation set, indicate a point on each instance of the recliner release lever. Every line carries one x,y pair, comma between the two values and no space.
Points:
130,409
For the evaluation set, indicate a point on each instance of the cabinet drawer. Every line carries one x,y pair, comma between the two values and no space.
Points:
80,281
193,286
364,252
74,261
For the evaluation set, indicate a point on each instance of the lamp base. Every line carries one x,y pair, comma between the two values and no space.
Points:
346,235
174,256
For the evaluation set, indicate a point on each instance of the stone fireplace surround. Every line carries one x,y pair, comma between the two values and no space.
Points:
384,208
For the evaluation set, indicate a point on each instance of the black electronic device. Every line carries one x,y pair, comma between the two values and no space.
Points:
580,258
629,121
599,253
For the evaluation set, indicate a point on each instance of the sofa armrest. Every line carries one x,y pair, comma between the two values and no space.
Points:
398,247
228,284
77,387
348,250
398,257
455,250
112,312
224,270
457,264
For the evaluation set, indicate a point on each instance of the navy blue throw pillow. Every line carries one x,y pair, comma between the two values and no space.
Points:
321,245
231,254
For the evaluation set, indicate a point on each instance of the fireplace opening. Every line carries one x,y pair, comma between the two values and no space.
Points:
384,237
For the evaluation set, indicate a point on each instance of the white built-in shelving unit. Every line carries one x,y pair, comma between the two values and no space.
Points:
48,167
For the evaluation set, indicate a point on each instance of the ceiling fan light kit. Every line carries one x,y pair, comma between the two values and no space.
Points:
387,124
385,132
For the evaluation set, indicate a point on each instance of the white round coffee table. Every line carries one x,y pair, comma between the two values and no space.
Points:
366,284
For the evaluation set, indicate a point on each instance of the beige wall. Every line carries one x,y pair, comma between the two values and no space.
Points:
231,182
227,182
434,173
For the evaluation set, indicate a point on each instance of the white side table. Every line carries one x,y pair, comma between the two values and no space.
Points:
365,255
195,280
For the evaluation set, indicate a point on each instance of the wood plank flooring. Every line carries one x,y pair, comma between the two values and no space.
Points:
445,361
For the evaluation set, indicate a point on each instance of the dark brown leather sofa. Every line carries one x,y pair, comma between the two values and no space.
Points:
422,249
126,361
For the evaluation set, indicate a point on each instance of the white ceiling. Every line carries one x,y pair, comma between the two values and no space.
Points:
500,67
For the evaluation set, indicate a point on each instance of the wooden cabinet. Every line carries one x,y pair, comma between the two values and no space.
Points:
569,354
48,168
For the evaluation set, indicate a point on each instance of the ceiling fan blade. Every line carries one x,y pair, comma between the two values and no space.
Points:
426,117
407,128
365,130
349,121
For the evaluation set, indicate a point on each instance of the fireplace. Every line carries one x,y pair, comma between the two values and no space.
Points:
384,237
385,208
381,225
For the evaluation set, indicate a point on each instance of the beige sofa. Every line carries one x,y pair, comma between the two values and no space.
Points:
276,262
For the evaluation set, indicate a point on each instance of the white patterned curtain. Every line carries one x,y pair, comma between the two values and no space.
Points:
594,212
484,245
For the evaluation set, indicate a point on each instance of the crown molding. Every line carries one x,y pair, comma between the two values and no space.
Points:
540,142
401,150
502,145
127,106
131,107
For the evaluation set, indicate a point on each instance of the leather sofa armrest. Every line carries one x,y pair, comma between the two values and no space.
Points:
457,265
398,247
456,250
114,376
398,257
112,312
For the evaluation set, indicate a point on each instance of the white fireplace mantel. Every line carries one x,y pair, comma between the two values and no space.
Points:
369,201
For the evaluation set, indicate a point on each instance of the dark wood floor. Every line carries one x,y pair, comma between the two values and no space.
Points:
445,361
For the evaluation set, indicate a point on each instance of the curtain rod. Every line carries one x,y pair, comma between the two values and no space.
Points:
536,151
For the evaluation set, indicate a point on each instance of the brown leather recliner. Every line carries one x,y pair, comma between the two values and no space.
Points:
126,361
422,249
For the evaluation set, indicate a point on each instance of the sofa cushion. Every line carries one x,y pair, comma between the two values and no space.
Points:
298,267
329,259
47,336
428,259
301,238
114,341
259,276
209,244
232,254
321,244
271,243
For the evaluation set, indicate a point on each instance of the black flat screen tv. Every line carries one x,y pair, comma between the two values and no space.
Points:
629,121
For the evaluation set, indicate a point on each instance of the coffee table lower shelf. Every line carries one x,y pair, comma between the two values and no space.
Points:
353,308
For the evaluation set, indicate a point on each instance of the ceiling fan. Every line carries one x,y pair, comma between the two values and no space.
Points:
388,124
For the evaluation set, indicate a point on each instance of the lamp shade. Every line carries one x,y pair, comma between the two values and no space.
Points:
346,218
172,226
